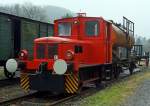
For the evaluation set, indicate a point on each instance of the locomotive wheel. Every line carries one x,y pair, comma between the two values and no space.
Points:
98,84
116,76
131,70
79,89
8,74
118,71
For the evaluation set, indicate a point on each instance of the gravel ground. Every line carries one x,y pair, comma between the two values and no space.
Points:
9,92
141,97
77,101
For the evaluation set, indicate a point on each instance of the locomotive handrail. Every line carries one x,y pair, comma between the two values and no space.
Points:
128,26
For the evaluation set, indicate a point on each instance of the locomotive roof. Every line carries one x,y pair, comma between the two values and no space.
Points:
77,17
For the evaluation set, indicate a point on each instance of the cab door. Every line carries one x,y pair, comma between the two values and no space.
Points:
92,34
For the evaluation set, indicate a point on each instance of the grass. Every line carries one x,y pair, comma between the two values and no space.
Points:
117,93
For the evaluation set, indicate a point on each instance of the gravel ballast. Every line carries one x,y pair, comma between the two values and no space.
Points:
141,96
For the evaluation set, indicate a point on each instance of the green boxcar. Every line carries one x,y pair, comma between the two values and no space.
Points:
17,33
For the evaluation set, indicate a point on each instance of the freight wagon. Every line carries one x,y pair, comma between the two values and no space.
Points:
18,33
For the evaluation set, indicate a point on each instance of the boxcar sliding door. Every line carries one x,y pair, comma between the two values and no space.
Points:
16,32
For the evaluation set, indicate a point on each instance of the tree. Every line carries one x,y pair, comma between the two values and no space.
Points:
33,12
138,41
27,10
67,15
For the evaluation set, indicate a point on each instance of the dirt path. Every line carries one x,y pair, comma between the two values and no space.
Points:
141,96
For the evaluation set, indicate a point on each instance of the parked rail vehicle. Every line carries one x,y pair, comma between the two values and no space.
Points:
18,33
82,50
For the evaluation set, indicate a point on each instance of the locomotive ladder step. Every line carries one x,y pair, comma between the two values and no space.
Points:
107,78
108,70
108,74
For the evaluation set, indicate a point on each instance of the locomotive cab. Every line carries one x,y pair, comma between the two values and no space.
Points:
87,37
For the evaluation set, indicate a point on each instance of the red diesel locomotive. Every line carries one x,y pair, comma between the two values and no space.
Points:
83,49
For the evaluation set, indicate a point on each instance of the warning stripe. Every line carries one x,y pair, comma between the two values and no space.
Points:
76,78
24,81
26,84
27,88
74,81
70,90
71,83
67,89
23,78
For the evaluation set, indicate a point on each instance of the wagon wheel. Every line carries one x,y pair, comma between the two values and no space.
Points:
117,73
8,74
131,68
98,83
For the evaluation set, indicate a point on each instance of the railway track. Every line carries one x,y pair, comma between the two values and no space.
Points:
53,100
50,99
42,99
8,102
8,82
11,92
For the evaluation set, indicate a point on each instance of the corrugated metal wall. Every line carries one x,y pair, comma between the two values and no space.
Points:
43,30
50,30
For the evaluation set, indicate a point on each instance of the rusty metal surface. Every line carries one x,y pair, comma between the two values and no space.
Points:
121,39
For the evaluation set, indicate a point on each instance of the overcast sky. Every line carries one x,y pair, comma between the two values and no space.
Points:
136,10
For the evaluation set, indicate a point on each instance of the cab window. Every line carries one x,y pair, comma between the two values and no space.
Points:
92,28
64,29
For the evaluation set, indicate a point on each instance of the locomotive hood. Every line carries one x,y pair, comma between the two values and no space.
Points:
56,40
